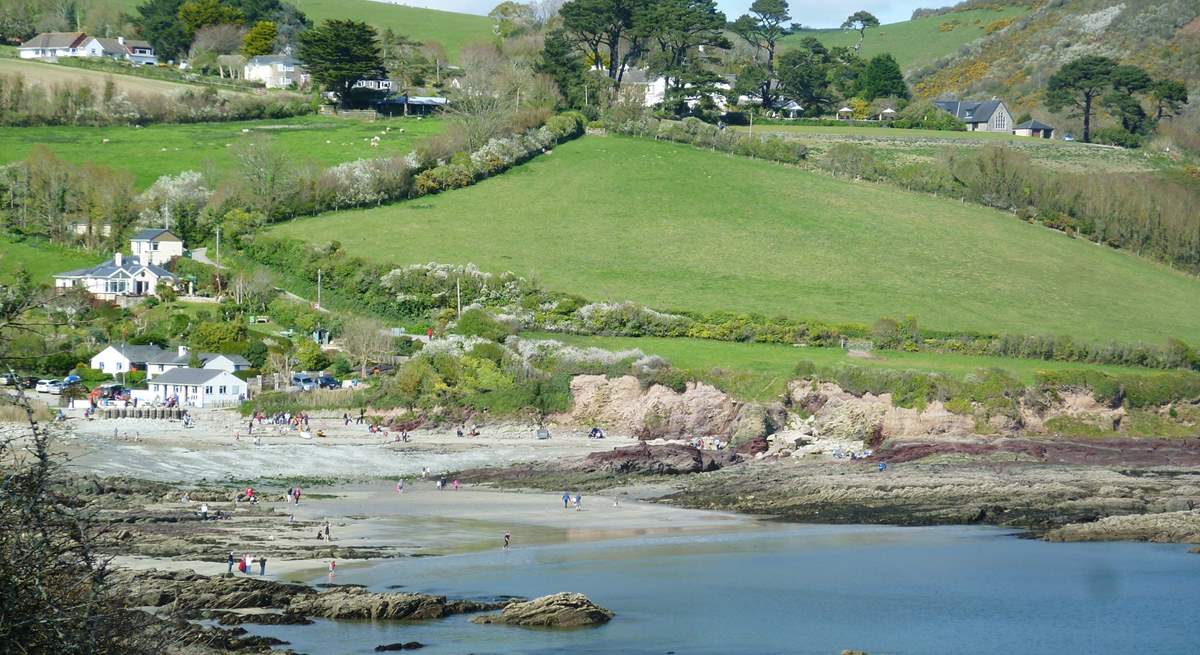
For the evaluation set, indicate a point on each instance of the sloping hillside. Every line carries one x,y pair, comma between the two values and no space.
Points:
452,30
917,43
682,228
1162,36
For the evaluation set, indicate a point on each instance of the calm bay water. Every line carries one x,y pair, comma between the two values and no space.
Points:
807,589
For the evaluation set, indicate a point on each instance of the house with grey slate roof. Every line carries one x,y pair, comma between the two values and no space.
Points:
168,360
980,116
124,358
198,387
126,278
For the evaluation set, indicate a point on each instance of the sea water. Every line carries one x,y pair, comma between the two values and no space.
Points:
804,589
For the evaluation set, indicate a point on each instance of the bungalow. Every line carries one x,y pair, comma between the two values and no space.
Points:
986,116
198,387
156,246
51,45
120,278
166,361
1036,129
275,71
124,358
132,50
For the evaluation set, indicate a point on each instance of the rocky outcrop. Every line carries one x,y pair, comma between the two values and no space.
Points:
1167,527
665,459
563,610
621,405
407,645
184,590
357,603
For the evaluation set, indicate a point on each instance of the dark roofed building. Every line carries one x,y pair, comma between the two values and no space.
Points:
980,116
1035,129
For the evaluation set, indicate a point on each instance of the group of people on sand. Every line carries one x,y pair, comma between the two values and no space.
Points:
462,431
293,494
297,421
245,564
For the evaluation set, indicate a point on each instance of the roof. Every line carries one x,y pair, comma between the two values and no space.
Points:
110,45
143,354
187,376
151,234
1034,125
55,40
267,60
138,43
173,357
130,264
970,111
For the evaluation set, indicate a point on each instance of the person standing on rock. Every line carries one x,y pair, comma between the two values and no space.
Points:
327,531
230,561
262,566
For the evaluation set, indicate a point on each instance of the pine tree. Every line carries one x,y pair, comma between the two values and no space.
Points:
260,40
883,78
339,53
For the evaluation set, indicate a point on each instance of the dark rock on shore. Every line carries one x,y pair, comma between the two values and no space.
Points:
189,590
266,618
355,603
1096,452
411,645
562,610
667,459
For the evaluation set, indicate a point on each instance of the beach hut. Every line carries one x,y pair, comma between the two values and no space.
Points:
846,113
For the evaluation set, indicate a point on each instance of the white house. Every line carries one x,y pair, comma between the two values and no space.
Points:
986,116
198,387
51,45
156,246
123,358
375,85
655,89
132,50
166,361
120,278
275,71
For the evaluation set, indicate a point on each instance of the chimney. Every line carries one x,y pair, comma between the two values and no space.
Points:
117,259
183,351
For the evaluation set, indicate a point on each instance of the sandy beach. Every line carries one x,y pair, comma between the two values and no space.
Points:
219,446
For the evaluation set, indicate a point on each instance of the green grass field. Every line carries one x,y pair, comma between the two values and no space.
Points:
52,74
890,133
915,43
676,227
156,150
40,260
760,371
452,30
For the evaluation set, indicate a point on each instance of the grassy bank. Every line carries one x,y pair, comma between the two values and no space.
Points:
915,43
760,371
676,227
40,260
155,150
52,74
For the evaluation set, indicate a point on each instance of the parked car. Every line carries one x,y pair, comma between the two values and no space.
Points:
43,386
352,383
327,381
6,379
56,387
304,381
28,382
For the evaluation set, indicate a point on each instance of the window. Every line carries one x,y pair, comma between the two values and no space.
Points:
116,286
208,389
176,388
154,245
1001,121
221,390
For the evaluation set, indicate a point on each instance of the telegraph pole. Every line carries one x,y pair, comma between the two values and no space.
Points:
318,288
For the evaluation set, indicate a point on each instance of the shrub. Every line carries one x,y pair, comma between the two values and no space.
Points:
476,322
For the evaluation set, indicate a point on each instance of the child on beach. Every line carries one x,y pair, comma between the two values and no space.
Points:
507,540
332,569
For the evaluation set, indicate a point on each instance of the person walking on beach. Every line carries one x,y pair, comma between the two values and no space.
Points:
262,566
297,495
332,569
362,416
456,484
507,540
400,486
230,561
566,499
345,418
578,502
